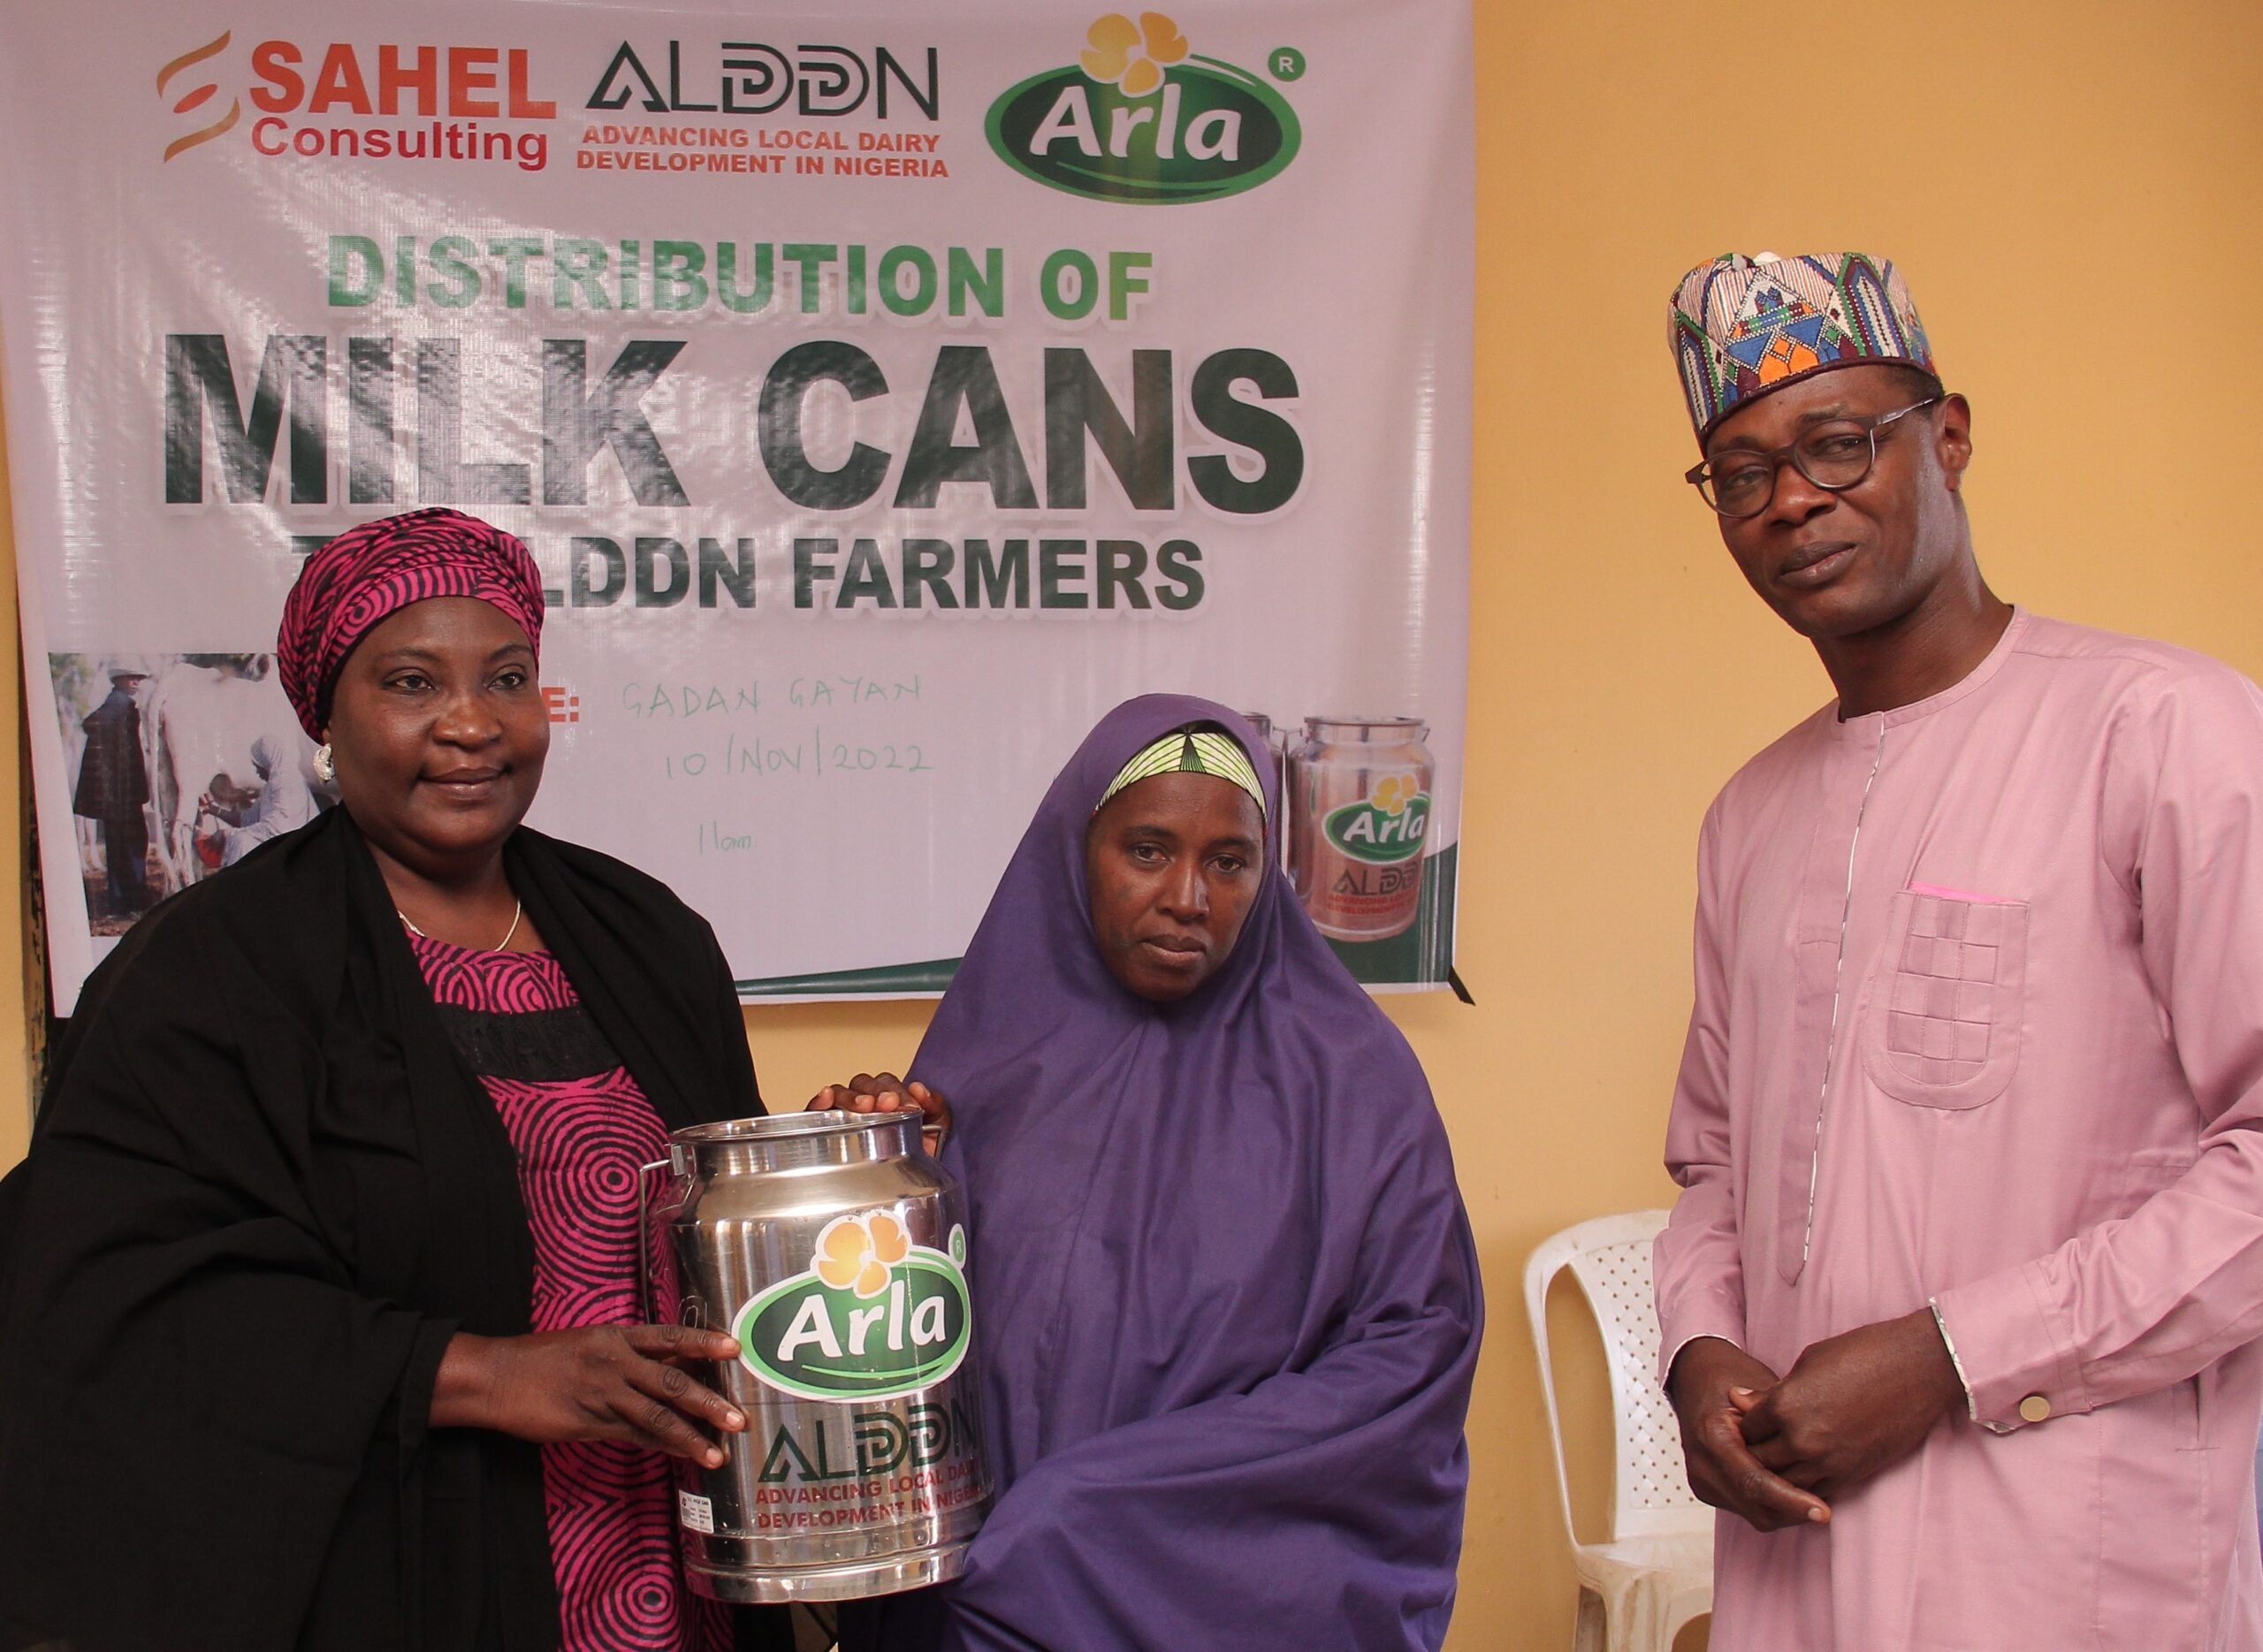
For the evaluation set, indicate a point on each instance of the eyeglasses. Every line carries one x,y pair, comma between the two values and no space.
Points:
1834,456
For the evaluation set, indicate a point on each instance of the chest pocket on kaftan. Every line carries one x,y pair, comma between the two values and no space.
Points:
1944,1020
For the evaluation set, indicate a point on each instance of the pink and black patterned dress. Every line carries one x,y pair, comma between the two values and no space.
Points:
580,1127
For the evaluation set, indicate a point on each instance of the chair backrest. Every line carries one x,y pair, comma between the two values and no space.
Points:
1610,1257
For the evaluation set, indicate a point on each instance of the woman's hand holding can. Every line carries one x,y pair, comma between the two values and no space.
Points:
620,1383
885,1092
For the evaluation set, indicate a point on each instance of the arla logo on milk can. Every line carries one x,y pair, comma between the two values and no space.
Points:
1382,828
1141,117
876,1317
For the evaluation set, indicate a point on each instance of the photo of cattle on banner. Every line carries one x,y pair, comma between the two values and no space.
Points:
180,765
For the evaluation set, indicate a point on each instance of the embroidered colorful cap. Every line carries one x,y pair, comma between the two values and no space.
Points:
1744,326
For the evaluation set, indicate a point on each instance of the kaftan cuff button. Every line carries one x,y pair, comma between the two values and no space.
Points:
2034,1408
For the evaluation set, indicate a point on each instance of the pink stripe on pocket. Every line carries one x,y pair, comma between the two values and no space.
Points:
1947,894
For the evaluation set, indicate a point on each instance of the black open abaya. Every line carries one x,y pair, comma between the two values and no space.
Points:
263,1193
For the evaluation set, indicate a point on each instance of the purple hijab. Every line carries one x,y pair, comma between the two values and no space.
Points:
1228,1303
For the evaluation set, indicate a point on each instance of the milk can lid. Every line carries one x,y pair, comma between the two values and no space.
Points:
778,1125
1368,726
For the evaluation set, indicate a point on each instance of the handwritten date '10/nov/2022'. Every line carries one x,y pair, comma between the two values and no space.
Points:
815,755
809,753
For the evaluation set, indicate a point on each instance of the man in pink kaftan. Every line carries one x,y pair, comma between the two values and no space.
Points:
1960,1298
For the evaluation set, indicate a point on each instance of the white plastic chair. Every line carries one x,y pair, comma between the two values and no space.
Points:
1656,1573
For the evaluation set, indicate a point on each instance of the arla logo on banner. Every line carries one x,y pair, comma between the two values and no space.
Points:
1141,118
1383,828
875,1317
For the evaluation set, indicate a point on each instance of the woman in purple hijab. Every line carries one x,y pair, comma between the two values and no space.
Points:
1228,1305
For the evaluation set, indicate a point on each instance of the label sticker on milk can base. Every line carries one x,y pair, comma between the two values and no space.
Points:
875,1317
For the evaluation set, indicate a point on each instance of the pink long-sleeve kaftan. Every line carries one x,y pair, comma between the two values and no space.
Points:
1979,1022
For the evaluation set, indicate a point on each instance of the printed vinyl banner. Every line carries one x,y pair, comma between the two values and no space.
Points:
885,392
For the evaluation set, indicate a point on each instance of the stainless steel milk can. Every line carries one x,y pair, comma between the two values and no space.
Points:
834,1247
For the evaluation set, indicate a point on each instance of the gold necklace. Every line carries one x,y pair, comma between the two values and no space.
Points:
517,912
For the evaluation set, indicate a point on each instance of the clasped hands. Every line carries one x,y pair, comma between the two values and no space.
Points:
1774,1451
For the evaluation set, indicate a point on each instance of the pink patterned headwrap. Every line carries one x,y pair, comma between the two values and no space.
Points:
370,573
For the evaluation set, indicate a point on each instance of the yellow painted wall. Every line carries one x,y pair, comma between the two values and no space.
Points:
2073,191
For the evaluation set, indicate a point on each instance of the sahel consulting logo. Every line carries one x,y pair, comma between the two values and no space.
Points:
876,1316
340,101
1141,116
197,96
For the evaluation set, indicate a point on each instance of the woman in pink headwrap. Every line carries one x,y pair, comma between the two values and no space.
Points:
316,1290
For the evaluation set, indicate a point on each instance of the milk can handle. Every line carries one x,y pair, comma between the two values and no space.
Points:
644,1239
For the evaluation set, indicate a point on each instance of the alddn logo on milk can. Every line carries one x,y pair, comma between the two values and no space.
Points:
1141,118
1385,827
875,1317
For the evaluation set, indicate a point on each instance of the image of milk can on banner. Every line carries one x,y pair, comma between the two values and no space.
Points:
1359,812
834,1247
1276,744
